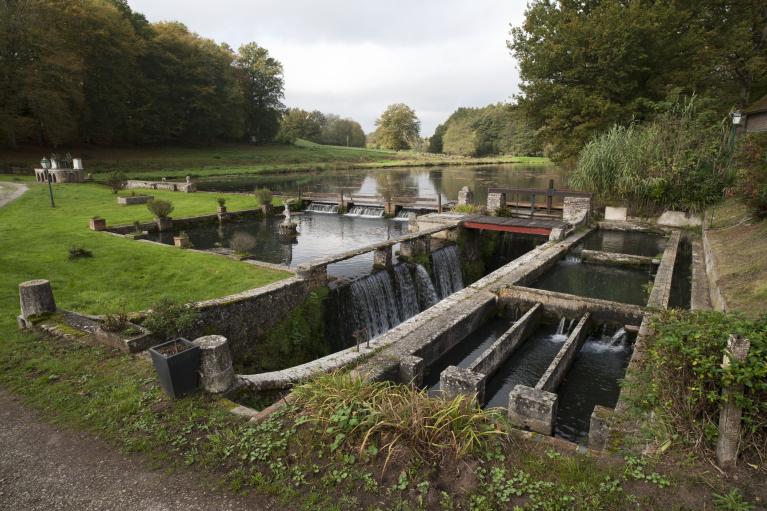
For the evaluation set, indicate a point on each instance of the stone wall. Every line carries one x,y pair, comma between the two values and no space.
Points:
495,201
712,272
661,288
173,186
244,317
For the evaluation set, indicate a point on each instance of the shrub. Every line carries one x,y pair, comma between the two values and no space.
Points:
160,208
116,181
751,184
683,377
79,253
137,227
221,202
169,319
242,242
115,322
468,208
264,196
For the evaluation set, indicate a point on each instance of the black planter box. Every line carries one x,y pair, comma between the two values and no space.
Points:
178,374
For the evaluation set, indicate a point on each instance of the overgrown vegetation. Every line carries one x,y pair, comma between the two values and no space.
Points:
751,162
681,160
683,378
296,339
168,319
263,196
116,181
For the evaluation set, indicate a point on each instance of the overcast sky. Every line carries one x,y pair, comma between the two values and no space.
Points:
353,58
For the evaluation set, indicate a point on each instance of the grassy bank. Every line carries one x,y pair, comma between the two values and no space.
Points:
122,272
740,245
178,162
342,445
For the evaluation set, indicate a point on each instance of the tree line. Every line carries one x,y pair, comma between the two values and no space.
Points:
321,128
94,71
588,65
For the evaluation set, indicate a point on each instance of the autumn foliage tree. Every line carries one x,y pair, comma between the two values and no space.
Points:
397,128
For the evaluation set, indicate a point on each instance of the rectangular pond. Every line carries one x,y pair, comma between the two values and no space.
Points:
572,276
626,242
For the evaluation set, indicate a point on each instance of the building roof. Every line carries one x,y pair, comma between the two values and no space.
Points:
758,106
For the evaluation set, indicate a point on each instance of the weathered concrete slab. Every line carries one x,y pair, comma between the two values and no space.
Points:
615,214
602,311
599,427
712,272
615,259
661,289
494,356
558,367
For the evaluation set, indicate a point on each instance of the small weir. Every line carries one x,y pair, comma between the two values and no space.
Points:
366,212
427,295
318,207
447,271
404,214
626,242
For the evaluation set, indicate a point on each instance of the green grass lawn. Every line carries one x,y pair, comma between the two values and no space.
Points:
232,159
122,272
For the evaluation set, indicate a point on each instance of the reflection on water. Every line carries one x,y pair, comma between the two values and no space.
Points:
525,366
592,380
320,235
406,181
620,242
625,285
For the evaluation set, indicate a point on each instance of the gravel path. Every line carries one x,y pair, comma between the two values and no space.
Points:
10,191
43,467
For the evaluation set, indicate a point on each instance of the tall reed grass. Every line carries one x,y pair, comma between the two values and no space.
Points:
679,160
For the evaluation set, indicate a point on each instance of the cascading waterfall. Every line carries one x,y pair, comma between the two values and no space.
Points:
318,207
366,211
619,338
447,271
375,304
561,326
427,295
406,293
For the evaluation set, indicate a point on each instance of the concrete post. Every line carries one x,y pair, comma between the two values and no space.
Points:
216,371
415,247
575,210
533,409
465,197
495,201
36,297
382,258
411,370
729,418
456,380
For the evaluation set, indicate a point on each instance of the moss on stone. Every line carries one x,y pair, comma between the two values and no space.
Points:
297,339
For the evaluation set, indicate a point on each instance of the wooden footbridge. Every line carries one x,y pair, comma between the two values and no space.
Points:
536,226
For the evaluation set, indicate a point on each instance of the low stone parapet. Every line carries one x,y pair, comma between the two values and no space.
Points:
562,362
616,259
533,409
661,289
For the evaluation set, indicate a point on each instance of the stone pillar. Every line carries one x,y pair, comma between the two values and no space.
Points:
599,427
495,201
456,380
164,224
382,258
411,370
533,409
415,247
729,417
575,210
465,197
216,371
36,297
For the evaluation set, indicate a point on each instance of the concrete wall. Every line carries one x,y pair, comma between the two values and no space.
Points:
558,368
494,356
701,298
602,311
661,289
712,273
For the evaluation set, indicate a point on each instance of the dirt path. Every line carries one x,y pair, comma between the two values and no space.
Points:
10,191
45,468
